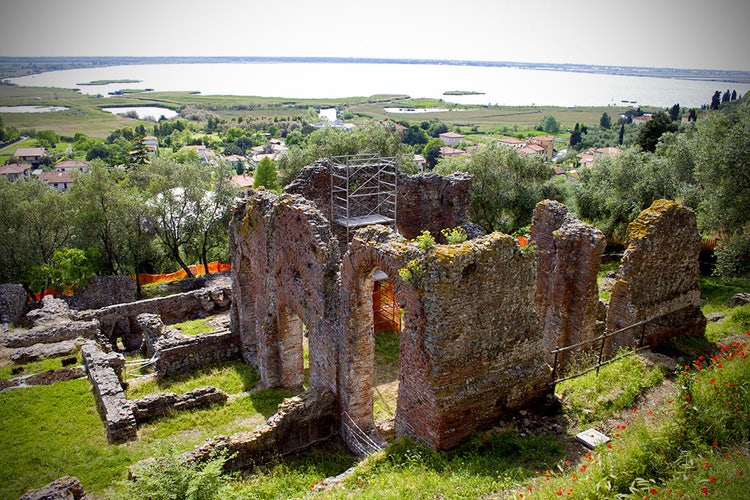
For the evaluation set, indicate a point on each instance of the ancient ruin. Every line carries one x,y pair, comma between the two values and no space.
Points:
479,319
569,256
658,282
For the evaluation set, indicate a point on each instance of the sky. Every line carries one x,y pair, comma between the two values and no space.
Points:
701,34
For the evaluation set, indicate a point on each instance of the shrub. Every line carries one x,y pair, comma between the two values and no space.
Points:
425,241
454,235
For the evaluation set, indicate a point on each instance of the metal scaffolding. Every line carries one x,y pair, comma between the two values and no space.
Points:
363,191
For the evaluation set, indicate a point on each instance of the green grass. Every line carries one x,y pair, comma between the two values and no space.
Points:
387,347
592,398
51,431
716,291
232,378
6,372
194,327
486,464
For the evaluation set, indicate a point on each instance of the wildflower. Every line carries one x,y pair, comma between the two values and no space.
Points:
712,479
635,410
653,491
704,490
574,476
714,444
559,493
520,495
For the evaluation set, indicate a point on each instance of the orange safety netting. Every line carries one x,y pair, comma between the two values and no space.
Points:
196,269
386,313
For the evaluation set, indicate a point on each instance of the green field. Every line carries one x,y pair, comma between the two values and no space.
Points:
86,116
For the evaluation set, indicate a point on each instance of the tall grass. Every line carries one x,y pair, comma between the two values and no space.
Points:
594,397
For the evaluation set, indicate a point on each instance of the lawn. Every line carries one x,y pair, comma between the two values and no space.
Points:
50,431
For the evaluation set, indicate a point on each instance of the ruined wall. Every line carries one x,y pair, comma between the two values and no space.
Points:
284,267
119,320
158,405
102,291
433,202
12,301
424,201
105,371
659,277
569,255
300,422
471,342
183,354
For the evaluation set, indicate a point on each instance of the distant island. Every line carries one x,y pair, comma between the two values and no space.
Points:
20,66
106,82
462,92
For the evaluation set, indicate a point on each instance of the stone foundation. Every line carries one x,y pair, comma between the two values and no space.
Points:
158,405
119,320
105,372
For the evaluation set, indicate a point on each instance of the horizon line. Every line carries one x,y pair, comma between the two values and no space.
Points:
384,60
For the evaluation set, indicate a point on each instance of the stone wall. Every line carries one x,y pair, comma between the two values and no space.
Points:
65,488
12,302
183,353
119,320
105,372
158,405
569,255
51,332
470,345
300,422
284,268
102,291
658,277
433,202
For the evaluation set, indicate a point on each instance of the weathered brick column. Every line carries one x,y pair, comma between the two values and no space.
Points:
658,277
569,255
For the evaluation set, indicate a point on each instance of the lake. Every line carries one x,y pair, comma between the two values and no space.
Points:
489,85
144,112
31,109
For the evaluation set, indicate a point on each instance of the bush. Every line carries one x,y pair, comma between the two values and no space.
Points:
169,477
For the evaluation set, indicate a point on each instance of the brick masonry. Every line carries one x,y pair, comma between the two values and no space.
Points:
569,255
659,277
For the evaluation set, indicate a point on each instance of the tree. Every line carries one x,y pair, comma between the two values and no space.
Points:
734,95
47,138
505,186
652,130
266,175
35,220
722,147
605,121
614,193
98,197
674,112
575,137
726,97
621,137
414,135
550,124
692,116
431,152
716,100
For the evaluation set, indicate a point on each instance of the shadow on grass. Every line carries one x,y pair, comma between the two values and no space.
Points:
267,401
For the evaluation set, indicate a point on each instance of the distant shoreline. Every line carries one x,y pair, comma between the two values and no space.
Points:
20,66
